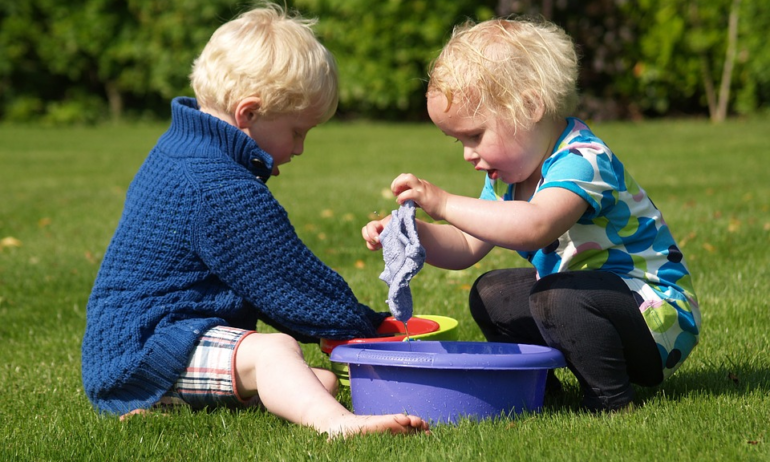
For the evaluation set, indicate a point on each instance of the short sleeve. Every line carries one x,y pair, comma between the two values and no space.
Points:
587,171
496,190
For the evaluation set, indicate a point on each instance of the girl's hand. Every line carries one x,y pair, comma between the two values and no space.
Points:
428,197
371,233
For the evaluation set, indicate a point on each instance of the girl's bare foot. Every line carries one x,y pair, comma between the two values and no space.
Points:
351,424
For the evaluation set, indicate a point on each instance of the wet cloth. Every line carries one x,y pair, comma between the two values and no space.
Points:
404,257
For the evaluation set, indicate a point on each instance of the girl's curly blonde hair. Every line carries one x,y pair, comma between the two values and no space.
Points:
508,67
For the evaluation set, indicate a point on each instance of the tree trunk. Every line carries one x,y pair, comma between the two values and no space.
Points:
708,84
727,69
115,100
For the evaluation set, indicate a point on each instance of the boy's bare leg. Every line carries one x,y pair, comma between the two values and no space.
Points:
272,366
327,379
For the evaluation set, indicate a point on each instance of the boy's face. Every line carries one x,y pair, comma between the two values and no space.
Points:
489,143
282,136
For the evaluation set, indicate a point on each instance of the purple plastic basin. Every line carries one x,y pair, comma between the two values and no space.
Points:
444,381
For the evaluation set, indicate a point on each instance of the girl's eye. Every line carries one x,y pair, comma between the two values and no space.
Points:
472,139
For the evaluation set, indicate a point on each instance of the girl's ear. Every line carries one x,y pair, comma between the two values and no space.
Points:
534,106
247,112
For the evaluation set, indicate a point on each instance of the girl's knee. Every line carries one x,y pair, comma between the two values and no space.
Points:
550,309
557,298
475,302
479,299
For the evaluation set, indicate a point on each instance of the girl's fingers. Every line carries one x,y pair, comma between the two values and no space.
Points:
403,182
371,234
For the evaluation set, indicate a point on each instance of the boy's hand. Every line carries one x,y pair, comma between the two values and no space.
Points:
428,197
371,233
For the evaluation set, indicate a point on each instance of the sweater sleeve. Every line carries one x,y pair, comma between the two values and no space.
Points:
244,236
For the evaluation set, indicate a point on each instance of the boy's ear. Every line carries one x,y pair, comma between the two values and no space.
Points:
247,111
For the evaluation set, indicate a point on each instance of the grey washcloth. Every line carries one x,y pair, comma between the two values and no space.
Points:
404,257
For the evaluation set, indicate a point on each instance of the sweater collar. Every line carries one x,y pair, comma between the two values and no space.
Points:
195,131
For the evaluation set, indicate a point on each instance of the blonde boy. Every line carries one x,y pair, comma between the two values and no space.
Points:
203,250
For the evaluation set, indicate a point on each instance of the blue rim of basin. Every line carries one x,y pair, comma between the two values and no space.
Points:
450,355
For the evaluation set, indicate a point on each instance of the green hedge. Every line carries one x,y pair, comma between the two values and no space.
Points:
62,62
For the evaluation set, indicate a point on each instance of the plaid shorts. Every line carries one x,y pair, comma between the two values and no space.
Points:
209,379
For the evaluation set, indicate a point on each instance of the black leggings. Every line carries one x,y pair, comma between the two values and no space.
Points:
590,316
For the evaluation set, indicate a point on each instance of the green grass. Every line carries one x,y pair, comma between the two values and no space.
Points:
61,193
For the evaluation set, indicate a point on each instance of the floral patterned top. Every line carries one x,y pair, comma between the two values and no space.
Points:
622,232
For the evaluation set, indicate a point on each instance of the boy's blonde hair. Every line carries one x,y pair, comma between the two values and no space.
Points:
266,53
508,67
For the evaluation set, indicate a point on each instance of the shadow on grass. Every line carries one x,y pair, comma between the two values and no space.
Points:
730,378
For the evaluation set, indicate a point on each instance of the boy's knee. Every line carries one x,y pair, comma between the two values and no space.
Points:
328,379
285,341
259,344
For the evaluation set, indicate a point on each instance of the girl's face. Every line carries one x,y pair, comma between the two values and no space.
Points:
490,144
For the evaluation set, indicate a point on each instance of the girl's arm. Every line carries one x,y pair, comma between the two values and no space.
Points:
445,246
515,225
448,247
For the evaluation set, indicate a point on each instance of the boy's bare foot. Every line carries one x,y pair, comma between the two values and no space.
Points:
395,424
133,413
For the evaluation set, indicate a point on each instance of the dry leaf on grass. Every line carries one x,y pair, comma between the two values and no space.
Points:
9,241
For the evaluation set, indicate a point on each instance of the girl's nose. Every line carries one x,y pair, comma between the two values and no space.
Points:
469,154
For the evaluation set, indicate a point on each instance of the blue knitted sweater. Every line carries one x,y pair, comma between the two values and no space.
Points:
202,242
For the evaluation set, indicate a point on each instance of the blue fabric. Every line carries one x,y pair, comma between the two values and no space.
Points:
404,257
202,242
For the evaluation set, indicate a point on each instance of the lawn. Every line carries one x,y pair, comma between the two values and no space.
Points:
61,194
